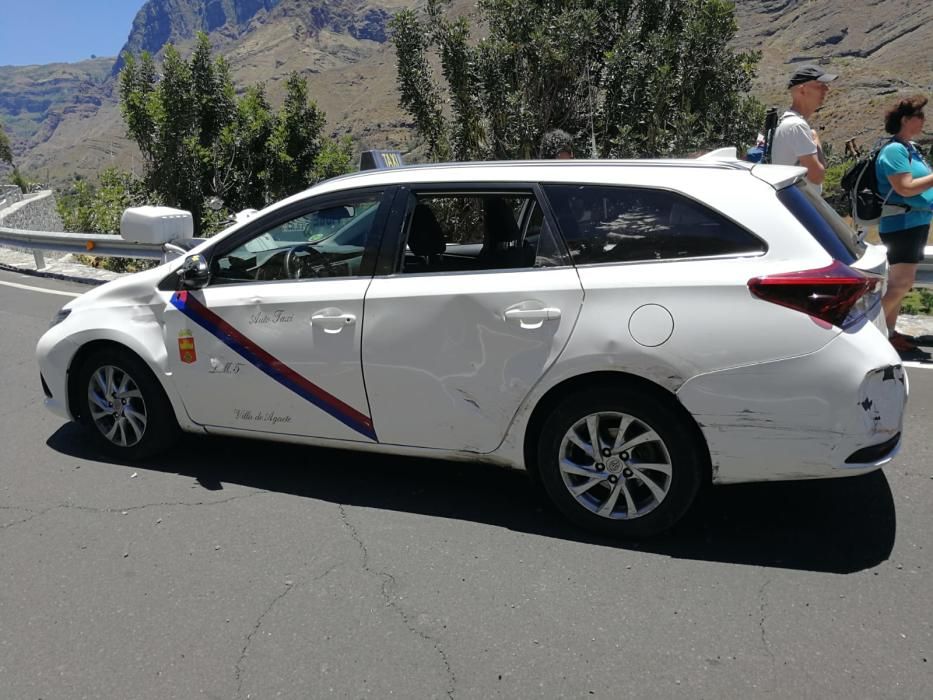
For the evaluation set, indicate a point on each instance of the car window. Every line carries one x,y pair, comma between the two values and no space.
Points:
603,224
328,241
823,223
477,231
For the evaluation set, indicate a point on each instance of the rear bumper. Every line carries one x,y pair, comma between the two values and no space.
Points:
836,412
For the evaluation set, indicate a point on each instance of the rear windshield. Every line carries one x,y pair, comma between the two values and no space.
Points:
823,223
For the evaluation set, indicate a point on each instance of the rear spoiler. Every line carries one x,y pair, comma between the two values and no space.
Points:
779,176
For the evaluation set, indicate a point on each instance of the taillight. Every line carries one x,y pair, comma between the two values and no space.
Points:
830,294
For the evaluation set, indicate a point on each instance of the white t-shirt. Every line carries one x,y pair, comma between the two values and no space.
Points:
792,139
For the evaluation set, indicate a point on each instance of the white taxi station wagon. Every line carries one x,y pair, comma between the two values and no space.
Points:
624,330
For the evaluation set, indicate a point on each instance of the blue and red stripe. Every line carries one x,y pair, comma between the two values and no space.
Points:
280,372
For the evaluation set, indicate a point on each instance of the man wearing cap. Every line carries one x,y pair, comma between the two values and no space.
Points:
794,141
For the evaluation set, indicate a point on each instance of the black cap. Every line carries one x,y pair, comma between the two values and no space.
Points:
804,74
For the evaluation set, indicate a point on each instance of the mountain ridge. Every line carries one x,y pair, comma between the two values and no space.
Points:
64,118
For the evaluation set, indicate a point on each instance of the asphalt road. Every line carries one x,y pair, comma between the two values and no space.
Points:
238,569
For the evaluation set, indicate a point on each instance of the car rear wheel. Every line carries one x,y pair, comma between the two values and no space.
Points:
124,406
622,462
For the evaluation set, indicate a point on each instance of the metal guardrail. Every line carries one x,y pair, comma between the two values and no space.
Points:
100,244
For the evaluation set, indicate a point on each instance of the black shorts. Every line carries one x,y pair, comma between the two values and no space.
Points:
906,246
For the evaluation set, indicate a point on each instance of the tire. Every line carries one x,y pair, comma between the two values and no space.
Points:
619,494
123,406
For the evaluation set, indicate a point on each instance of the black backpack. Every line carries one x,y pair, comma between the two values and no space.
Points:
771,122
860,183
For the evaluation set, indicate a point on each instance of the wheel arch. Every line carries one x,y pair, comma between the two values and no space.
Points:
600,380
85,351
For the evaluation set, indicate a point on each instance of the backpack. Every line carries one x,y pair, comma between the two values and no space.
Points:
771,122
860,184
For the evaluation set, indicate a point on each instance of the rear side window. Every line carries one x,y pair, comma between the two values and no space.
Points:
823,223
629,224
476,231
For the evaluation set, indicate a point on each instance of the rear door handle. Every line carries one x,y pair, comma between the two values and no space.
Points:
332,322
531,319
532,315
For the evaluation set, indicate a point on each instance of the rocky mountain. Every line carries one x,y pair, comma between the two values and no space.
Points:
64,119
162,21
879,48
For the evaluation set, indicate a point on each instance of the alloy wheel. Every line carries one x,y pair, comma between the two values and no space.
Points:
615,465
117,407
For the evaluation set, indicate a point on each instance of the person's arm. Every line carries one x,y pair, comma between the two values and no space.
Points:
906,185
816,171
819,147
895,164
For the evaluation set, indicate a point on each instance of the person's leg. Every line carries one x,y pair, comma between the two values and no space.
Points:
901,277
905,251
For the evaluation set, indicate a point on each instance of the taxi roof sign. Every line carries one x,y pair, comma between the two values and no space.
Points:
380,160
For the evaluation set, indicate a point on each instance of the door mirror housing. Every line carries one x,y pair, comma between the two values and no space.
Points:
194,272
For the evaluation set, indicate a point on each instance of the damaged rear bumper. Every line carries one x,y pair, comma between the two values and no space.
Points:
836,412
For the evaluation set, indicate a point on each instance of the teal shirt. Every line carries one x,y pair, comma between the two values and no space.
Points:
893,159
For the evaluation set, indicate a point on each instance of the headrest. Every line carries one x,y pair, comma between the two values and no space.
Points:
499,221
425,236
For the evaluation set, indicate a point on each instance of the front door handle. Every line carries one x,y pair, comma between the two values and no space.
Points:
332,320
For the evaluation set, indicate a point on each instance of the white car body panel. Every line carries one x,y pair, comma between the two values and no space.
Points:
233,387
437,370
765,422
444,341
126,311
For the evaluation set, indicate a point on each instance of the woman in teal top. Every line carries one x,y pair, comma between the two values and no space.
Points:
906,181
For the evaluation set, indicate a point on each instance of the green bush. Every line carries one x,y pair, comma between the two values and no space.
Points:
89,209
832,187
919,301
21,181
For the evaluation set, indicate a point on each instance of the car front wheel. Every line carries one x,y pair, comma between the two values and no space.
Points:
622,462
124,406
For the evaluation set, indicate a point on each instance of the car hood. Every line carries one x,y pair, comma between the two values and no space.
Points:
130,290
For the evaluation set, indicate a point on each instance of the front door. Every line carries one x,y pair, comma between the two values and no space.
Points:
272,343
482,302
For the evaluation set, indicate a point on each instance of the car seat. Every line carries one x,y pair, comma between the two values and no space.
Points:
425,241
502,248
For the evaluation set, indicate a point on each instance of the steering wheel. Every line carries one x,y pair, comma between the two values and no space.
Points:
292,259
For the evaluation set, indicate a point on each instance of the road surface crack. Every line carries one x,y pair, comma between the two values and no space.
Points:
33,515
763,612
174,504
388,582
289,587
113,511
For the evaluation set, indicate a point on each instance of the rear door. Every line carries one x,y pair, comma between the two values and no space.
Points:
469,313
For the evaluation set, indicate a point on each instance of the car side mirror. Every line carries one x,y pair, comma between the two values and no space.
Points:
194,272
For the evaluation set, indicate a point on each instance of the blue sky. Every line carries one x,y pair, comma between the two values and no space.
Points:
50,31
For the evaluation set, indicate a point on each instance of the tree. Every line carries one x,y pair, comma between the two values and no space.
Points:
199,141
6,153
241,170
636,78
418,93
296,140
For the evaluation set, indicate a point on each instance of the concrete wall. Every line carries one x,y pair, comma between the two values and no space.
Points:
9,194
33,212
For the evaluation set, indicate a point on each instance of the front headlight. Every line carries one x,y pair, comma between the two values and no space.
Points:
60,316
